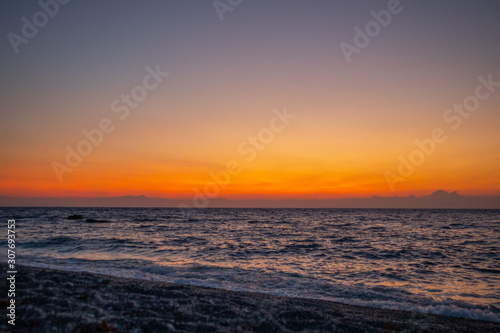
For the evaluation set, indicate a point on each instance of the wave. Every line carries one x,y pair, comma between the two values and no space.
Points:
289,285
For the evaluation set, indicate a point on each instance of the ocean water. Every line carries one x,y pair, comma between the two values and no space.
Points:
436,261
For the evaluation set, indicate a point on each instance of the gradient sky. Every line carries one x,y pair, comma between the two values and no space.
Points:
352,120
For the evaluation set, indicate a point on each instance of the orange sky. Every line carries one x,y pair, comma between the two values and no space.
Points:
352,121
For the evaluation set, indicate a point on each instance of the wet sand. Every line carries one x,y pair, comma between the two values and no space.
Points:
57,301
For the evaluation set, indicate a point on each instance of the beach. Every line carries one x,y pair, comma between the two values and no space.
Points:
57,301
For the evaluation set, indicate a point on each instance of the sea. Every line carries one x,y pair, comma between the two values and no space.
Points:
433,261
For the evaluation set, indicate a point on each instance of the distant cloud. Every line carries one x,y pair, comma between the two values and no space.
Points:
438,199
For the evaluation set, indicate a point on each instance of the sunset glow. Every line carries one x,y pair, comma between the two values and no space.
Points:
166,134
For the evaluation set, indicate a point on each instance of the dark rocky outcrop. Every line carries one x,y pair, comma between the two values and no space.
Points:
75,217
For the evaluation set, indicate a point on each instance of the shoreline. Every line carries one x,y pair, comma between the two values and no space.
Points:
50,300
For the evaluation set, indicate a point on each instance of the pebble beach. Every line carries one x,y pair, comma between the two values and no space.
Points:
58,301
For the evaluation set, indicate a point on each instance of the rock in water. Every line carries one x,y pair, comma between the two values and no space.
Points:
75,217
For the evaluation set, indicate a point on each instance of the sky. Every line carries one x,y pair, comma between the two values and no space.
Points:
248,99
